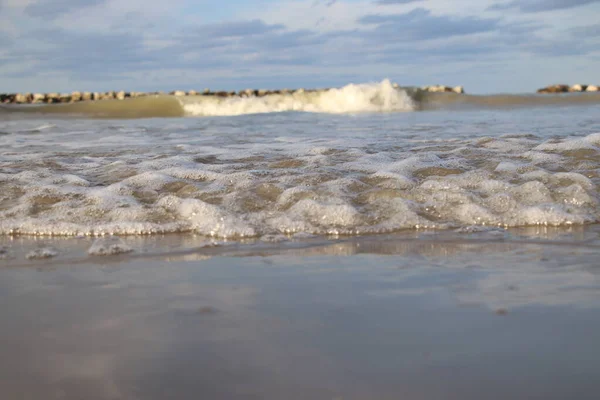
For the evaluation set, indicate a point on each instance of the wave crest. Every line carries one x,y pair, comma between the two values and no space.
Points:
352,98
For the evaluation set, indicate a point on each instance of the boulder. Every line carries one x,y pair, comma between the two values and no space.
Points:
246,93
592,88
554,89
20,98
578,88
52,98
120,95
76,96
38,98
458,89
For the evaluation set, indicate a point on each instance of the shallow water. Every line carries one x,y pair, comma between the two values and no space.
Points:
300,173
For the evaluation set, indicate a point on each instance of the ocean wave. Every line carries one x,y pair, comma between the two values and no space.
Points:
376,97
289,188
379,97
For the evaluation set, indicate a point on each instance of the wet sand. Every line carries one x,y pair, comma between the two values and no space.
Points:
430,315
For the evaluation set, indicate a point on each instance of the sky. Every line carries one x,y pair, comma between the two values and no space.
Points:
488,46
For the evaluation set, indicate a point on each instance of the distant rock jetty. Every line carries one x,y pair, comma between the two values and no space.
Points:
74,97
441,89
569,89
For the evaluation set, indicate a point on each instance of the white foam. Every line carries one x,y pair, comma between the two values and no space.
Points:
264,177
42,253
5,253
376,97
107,246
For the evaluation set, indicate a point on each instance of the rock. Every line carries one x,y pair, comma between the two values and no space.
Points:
554,89
120,95
75,96
178,93
86,96
458,89
578,88
592,88
38,98
20,98
246,93
52,98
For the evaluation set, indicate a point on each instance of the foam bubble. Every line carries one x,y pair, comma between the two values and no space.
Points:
42,253
107,246
5,253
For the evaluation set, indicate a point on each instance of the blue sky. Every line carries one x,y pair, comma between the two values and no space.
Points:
485,45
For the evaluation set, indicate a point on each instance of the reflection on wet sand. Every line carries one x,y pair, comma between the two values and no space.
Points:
492,315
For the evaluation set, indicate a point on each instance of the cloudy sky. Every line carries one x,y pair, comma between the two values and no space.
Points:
485,45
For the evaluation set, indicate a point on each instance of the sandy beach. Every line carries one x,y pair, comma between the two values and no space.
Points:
491,315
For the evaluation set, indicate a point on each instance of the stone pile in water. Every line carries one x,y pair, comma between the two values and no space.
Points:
569,89
442,89
51,98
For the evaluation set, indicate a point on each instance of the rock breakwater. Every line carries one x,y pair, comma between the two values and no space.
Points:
562,88
74,97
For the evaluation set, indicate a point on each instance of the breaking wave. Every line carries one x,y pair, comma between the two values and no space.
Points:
381,97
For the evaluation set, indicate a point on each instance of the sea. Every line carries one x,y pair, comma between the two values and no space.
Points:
364,159
364,242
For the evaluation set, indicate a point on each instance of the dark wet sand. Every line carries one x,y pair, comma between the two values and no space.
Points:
417,316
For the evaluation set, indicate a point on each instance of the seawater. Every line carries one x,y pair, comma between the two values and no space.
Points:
360,160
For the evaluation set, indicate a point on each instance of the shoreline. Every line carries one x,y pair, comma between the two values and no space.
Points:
23,251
